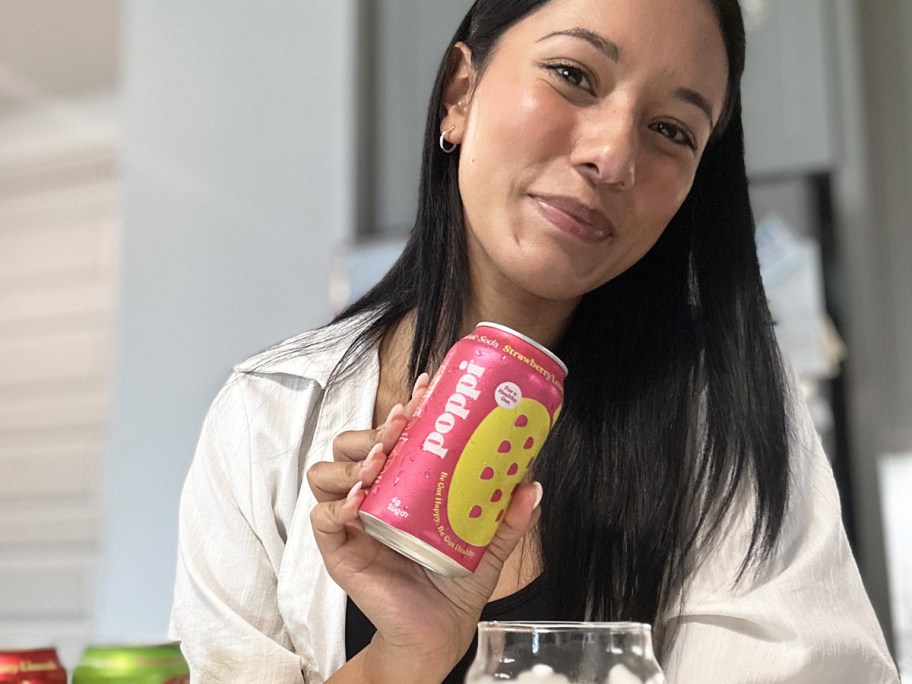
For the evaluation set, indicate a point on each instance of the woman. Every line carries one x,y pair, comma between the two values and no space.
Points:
583,183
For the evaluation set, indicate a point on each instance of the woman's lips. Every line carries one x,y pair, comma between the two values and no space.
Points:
574,218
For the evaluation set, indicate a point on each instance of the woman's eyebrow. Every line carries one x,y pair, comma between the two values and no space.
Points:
694,98
607,47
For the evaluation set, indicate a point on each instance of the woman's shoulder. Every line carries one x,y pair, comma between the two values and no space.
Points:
273,400
312,355
287,383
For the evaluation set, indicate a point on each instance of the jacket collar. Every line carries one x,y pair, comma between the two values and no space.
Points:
313,355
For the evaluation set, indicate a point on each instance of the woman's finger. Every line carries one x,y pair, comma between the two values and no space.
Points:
330,481
329,520
393,427
418,392
355,445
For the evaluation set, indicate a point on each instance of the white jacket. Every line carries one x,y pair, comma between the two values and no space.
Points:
254,603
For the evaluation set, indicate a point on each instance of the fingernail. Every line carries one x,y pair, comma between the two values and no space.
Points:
353,492
370,454
538,493
422,379
398,408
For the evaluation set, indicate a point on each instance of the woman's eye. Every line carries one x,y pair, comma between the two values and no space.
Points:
675,133
572,75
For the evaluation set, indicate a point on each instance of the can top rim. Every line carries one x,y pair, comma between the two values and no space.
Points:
134,646
525,338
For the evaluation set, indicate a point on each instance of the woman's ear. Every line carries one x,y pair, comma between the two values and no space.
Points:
457,93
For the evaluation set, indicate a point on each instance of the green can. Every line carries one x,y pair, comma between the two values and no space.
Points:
152,664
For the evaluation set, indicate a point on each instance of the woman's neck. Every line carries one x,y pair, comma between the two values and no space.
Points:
542,320
497,298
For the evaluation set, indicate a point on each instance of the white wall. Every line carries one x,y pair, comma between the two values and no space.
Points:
237,172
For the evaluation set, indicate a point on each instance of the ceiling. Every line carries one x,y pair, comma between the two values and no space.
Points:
54,50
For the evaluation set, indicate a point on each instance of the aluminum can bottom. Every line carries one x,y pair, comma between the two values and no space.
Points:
419,551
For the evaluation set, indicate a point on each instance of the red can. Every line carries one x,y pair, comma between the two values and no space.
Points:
40,666
451,475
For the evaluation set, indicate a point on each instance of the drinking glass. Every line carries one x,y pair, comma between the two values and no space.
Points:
565,653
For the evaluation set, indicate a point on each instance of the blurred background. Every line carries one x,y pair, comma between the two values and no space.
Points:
184,184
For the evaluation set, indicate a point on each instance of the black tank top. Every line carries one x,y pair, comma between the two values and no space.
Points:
526,604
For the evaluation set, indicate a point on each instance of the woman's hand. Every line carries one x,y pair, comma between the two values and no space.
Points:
425,621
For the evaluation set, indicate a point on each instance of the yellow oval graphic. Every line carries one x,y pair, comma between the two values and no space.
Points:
494,461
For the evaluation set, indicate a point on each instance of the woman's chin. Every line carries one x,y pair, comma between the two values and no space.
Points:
540,270
552,285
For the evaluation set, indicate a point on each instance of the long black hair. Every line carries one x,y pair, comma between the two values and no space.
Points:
675,401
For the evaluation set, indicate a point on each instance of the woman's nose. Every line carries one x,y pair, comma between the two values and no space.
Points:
606,151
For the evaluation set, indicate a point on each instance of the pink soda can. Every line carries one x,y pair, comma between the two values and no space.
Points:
449,479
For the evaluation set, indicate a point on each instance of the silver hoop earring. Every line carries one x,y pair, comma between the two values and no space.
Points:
444,142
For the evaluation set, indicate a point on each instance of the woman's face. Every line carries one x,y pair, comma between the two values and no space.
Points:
581,138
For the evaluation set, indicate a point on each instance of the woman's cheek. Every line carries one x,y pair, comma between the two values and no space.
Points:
524,120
